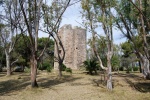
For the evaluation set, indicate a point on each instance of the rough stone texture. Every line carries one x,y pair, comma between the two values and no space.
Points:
74,42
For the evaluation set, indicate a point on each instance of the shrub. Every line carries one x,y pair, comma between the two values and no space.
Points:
135,68
68,70
27,70
49,68
91,65
63,68
45,66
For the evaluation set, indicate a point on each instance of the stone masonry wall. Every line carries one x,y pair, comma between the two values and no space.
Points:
74,42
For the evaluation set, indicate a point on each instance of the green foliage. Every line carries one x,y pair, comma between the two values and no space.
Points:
27,70
49,68
2,57
63,68
135,68
91,65
45,66
43,41
22,50
127,48
68,70
115,62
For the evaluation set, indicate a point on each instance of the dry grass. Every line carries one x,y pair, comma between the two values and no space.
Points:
77,86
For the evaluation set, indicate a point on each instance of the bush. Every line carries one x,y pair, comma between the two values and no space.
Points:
27,70
45,66
49,68
135,68
63,68
68,70
91,65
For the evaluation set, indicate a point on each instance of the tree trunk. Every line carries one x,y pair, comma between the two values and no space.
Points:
33,62
145,67
132,67
60,69
109,74
146,71
140,67
8,63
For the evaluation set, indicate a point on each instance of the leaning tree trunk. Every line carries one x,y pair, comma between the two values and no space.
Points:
33,62
8,63
144,65
145,68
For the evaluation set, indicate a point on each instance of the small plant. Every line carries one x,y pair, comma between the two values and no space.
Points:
45,66
68,70
63,68
91,65
27,70
49,68
135,68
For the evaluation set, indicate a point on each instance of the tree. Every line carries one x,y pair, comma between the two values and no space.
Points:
52,24
100,11
32,15
116,58
2,57
22,50
128,58
31,11
89,17
9,22
131,23
48,56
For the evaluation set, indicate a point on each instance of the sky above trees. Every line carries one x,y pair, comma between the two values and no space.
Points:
73,16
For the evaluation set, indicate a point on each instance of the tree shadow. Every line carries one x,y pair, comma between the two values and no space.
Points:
136,82
129,75
47,83
13,85
99,83
143,87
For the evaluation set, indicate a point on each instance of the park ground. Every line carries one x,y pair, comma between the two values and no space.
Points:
75,86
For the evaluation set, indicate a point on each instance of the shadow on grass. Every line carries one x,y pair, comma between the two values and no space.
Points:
128,75
136,82
143,87
13,85
47,83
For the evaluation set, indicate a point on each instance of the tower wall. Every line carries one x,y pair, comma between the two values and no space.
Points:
74,42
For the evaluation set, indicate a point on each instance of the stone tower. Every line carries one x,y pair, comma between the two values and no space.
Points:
74,42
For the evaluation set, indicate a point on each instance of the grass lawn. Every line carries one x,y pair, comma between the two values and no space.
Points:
78,86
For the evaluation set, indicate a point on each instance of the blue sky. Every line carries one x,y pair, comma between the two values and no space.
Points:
73,16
